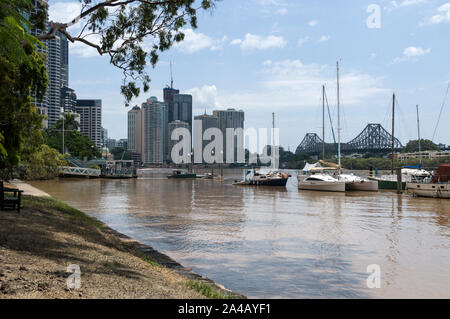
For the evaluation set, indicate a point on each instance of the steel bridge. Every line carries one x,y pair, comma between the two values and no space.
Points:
374,138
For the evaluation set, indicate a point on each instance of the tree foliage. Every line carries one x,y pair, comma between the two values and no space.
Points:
132,33
425,145
75,142
22,73
43,164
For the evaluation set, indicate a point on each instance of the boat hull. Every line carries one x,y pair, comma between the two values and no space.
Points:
182,176
269,182
367,186
429,190
384,184
322,186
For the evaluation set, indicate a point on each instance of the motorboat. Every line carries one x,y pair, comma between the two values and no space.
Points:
436,187
267,177
409,175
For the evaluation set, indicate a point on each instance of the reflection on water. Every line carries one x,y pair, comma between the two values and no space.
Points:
279,242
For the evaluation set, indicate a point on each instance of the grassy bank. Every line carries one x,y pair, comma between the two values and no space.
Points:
37,246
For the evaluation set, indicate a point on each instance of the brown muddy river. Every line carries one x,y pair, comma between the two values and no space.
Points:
286,243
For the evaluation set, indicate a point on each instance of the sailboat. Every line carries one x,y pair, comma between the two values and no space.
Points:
352,182
266,177
409,174
319,180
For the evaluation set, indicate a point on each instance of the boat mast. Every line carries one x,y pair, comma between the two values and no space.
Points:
274,165
339,118
393,138
323,122
418,133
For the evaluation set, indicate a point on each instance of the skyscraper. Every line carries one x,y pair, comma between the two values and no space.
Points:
104,136
172,127
230,118
182,109
57,64
91,119
68,99
168,94
207,121
155,131
135,130
43,104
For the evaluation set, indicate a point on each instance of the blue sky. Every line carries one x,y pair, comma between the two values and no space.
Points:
265,56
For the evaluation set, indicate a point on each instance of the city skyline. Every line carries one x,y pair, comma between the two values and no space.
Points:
280,62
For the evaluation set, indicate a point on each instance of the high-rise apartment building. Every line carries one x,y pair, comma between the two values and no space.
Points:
68,99
91,119
234,119
172,127
57,63
135,130
155,131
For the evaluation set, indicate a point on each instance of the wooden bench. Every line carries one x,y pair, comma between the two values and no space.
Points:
9,198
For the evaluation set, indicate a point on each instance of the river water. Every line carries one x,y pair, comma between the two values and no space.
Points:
279,243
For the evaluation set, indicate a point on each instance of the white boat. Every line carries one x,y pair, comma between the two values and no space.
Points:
356,183
429,190
436,187
320,182
353,182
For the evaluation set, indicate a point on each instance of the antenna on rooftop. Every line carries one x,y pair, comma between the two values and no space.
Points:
171,76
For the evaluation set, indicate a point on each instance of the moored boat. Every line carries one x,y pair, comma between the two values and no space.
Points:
179,174
263,178
409,175
356,183
437,187
320,182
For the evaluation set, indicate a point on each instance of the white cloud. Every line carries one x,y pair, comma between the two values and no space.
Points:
412,54
64,11
256,42
442,16
281,11
313,23
205,97
405,3
82,50
302,41
292,84
194,42
324,38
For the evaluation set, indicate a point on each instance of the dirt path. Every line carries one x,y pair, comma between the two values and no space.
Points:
27,188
